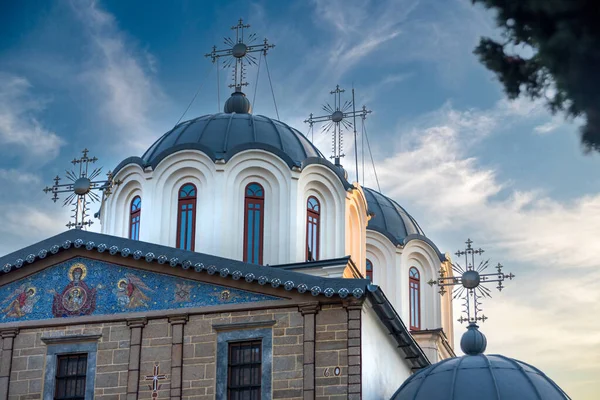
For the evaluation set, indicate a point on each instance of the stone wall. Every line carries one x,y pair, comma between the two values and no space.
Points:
309,342
331,352
199,351
29,354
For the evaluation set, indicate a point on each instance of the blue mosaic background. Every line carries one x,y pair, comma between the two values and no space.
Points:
106,288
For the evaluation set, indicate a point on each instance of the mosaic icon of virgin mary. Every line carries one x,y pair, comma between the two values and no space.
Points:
77,298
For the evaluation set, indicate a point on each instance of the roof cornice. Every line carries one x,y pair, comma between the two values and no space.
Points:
154,253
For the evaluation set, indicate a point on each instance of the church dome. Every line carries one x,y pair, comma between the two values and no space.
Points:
222,135
390,219
479,377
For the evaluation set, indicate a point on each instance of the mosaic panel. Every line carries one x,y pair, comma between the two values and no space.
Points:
82,286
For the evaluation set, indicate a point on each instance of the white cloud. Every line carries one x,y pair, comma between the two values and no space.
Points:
18,176
121,77
550,244
549,126
19,125
26,223
360,28
528,224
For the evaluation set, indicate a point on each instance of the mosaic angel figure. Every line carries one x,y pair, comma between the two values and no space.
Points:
21,301
131,292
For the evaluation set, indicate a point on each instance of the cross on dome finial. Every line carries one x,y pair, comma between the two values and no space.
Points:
238,53
470,281
337,118
81,189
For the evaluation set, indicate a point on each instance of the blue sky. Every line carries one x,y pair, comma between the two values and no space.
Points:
113,76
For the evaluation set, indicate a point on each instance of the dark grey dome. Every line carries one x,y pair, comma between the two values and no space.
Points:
220,136
390,219
479,377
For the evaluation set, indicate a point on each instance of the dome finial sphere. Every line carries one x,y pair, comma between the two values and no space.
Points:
473,342
238,103
471,279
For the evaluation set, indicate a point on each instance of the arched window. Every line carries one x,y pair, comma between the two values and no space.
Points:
313,221
414,280
134,218
254,216
369,270
186,217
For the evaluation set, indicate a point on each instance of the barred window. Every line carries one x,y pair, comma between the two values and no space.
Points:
244,370
70,377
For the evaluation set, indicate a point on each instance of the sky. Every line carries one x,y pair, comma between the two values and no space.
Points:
113,76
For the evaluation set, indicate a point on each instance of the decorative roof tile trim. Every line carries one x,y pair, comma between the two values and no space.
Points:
185,259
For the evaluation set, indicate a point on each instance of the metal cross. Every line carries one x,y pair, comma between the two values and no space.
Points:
81,189
238,53
155,380
337,118
470,281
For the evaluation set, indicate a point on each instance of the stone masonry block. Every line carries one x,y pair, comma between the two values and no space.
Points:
332,316
35,362
118,333
286,363
156,329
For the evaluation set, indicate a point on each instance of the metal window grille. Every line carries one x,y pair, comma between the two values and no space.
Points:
244,370
70,377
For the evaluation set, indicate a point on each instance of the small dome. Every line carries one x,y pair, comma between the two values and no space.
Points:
390,218
479,377
221,136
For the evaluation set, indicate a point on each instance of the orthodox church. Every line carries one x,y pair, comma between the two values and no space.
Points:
235,261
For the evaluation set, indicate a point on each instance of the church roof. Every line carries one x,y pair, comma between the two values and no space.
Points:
225,268
393,221
173,257
480,377
221,136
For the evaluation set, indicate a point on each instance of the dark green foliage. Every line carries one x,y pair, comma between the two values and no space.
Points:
564,36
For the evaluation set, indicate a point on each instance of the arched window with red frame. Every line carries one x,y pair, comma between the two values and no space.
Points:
254,217
369,270
135,210
313,222
414,281
186,217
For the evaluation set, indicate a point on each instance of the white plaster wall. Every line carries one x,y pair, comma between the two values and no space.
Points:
382,254
356,227
220,204
384,368
420,255
319,181
275,177
391,266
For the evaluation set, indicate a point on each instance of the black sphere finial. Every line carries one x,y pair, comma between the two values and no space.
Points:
238,103
473,342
